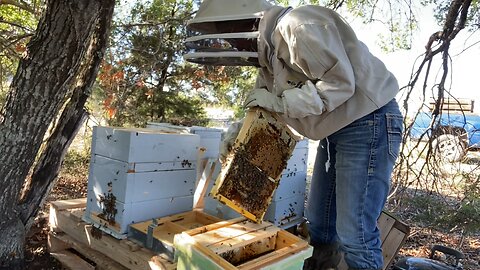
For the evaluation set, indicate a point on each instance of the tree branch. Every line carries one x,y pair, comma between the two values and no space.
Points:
439,42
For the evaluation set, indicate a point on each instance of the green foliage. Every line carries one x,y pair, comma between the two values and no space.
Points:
76,158
428,209
240,81
3,94
144,77
24,19
239,112
467,215
141,79
468,212
398,17
76,162
398,37
17,23
231,91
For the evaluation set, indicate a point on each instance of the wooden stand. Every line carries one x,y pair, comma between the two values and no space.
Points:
452,104
79,245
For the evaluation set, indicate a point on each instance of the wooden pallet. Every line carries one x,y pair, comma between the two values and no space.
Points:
79,245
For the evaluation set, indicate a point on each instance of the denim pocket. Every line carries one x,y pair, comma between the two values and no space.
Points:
394,133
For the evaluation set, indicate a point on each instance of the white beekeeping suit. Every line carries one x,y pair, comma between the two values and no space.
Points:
319,82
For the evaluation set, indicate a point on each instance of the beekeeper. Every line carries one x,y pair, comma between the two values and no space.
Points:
324,83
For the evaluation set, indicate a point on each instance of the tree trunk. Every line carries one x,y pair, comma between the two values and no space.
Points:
72,118
60,63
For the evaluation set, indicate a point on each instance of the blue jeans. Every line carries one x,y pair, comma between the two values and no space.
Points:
350,184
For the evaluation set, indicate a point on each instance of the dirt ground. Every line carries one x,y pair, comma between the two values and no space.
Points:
73,185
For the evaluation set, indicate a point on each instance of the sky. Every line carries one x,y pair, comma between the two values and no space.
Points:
464,71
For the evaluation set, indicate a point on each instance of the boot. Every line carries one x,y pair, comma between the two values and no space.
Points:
325,257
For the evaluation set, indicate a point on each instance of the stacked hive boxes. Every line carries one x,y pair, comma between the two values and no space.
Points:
287,205
139,174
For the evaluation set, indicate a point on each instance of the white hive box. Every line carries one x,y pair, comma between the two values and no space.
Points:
98,212
210,138
139,174
287,206
144,145
299,159
288,203
286,212
283,213
294,177
128,184
291,184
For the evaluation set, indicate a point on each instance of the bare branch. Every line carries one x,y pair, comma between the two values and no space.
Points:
426,172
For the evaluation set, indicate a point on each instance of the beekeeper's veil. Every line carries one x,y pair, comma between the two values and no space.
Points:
225,32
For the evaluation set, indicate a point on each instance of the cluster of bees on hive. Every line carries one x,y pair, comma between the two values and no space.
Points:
108,200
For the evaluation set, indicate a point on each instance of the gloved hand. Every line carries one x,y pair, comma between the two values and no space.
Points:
303,101
265,99
229,139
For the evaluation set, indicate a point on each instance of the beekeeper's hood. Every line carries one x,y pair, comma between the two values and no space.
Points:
225,32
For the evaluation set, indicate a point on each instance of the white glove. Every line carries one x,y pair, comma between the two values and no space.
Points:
303,101
265,99
229,139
